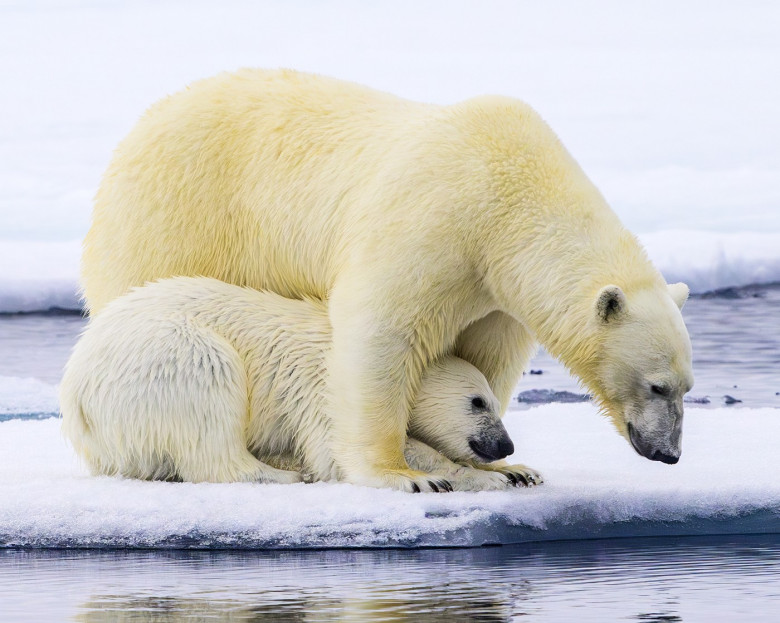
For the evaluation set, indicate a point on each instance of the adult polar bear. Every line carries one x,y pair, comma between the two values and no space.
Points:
431,230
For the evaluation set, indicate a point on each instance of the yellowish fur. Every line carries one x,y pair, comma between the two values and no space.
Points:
430,230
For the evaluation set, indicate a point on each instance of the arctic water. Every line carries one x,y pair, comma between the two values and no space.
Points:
657,580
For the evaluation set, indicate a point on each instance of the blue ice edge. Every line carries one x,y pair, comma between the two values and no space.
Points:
491,531
36,415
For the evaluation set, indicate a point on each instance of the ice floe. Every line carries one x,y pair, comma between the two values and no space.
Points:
596,487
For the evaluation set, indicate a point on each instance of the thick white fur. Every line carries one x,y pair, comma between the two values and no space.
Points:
431,230
196,379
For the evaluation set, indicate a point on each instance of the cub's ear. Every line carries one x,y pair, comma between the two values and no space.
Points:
611,304
679,293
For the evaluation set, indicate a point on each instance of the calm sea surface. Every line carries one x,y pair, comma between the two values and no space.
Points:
648,580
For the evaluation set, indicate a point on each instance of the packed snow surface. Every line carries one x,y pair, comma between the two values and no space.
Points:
596,487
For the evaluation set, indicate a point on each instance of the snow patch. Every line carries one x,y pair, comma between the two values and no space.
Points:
27,398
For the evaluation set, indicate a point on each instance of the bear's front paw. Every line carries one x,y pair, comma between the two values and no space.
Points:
408,480
520,475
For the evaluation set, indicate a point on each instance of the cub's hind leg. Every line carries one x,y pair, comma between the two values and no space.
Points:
209,413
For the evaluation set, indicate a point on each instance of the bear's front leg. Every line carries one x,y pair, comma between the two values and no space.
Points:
500,347
373,374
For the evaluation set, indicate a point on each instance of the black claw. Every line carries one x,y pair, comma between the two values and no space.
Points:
512,478
433,486
522,479
447,486
415,488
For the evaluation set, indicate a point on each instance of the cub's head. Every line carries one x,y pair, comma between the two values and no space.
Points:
643,366
457,414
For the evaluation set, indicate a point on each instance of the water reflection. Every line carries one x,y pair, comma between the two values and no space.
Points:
645,580
657,617
467,606
430,585
152,610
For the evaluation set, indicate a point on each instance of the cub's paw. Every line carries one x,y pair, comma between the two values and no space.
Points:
408,480
469,479
279,476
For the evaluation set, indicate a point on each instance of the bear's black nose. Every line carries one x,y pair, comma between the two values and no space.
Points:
664,458
646,449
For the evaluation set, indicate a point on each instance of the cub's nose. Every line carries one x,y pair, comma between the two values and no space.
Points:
492,448
505,447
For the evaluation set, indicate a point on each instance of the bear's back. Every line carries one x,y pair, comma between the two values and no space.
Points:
254,164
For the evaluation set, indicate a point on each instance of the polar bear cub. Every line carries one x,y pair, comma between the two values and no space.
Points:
199,380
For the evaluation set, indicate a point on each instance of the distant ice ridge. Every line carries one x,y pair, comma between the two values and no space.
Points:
39,276
713,260
596,487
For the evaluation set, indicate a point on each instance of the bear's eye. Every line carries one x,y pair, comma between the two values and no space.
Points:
478,402
658,390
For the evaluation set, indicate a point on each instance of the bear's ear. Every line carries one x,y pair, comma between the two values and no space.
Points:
611,304
679,293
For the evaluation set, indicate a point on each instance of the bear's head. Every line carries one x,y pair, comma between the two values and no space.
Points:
457,414
643,366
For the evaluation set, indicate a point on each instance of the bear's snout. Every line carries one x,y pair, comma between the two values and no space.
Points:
649,450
